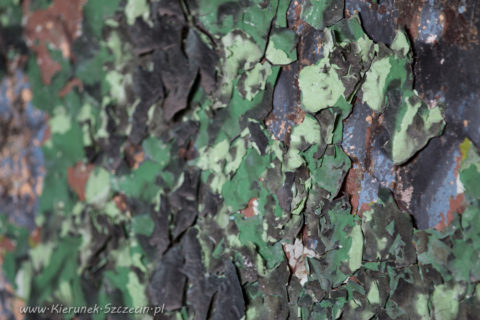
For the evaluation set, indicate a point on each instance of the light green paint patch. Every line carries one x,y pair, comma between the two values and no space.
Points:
373,295
356,249
374,87
408,139
97,189
240,53
401,44
445,302
40,255
211,159
136,290
320,86
281,48
233,162
421,306
117,82
60,123
255,79
277,56
303,135
135,9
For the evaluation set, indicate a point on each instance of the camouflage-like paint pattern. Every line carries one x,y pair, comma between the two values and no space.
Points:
177,177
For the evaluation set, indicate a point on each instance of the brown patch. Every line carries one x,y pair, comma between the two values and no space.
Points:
305,234
355,279
187,153
409,13
58,25
382,9
35,237
6,244
47,134
77,178
121,202
134,155
459,29
353,186
249,211
75,82
364,207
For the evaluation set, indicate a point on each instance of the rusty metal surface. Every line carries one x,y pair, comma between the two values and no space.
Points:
444,35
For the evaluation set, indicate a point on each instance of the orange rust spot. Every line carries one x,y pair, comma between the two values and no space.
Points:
75,82
134,155
26,95
364,207
77,178
249,211
121,202
457,205
369,119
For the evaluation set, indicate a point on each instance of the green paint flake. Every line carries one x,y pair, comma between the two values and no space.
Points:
281,49
143,224
445,302
135,9
256,79
320,86
375,84
313,12
408,137
242,187
302,137
97,189
241,53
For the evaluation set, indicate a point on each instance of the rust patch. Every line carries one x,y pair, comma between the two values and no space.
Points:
134,155
6,244
187,153
58,25
35,237
409,15
77,177
459,29
457,205
353,186
249,211
75,82
120,202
